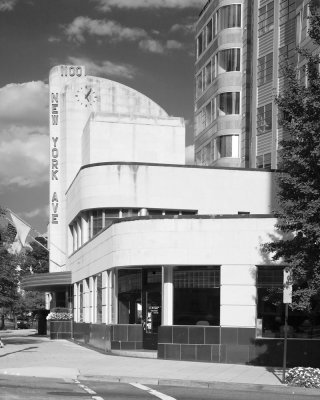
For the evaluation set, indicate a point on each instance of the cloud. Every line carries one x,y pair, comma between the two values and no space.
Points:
174,45
24,134
107,5
82,26
24,104
152,46
185,29
155,46
105,68
23,157
53,39
7,5
43,211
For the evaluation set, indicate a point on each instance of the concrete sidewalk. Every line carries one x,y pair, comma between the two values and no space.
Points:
28,354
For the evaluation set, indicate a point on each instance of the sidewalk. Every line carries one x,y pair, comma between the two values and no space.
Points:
27,354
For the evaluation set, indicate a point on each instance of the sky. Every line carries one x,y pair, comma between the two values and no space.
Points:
145,44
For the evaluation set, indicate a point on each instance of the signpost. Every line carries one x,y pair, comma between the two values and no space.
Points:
287,299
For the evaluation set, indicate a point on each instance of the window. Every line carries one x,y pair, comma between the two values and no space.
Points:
270,312
99,298
199,84
264,161
229,17
287,10
266,16
129,296
208,74
200,44
205,116
209,34
265,69
264,119
96,221
286,56
196,296
229,60
229,103
80,301
298,28
227,146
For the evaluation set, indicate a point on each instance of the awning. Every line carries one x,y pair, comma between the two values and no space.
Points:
46,282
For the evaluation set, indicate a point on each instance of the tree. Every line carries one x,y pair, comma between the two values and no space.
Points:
13,267
299,176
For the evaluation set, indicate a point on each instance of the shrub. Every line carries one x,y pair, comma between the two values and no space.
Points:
303,377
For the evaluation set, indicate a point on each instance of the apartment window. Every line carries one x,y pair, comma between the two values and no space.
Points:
265,69
229,60
287,10
227,146
199,84
208,74
229,17
266,18
264,119
286,55
264,161
209,34
229,103
298,28
200,44
271,310
196,296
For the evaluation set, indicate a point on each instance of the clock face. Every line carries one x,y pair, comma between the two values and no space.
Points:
86,96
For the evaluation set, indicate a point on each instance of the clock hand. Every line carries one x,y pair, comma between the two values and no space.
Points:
87,95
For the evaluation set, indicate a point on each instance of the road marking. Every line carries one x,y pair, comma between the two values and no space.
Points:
161,396
88,390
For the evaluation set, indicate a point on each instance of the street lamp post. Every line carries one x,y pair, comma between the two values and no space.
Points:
287,299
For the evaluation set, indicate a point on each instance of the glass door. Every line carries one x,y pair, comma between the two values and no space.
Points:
151,307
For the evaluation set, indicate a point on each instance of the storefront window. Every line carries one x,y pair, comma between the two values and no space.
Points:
80,304
129,296
229,17
196,295
270,313
99,298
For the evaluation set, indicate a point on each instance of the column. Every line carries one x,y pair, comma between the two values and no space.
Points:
238,296
84,229
167,295
75,303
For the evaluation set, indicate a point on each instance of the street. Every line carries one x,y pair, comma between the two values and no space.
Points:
30,388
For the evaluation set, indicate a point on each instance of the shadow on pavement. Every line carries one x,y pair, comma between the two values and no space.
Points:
19,341
18,351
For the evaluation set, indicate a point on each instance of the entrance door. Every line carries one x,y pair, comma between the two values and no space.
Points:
151,307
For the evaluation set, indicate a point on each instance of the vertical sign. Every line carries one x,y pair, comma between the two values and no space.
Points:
287,286
54,144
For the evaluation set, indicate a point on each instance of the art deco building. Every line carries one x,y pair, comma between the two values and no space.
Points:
151,253
240,50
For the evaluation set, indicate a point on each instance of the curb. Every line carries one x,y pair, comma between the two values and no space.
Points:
204,384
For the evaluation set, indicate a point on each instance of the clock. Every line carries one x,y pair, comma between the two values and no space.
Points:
86,96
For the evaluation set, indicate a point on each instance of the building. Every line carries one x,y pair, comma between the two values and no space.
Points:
149,252
241,48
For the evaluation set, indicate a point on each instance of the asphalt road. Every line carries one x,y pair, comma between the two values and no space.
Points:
26,388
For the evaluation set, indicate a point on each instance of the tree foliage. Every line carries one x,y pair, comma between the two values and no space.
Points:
299,177
13,267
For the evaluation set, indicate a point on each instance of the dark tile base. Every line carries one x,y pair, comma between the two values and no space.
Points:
234,346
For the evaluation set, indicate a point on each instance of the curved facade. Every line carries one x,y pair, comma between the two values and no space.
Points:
160,255
219,70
